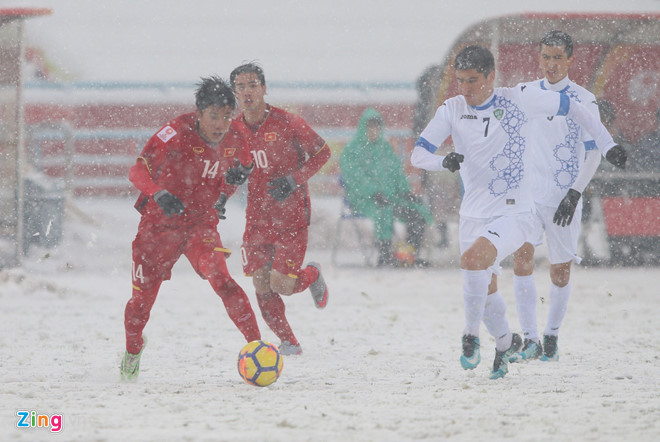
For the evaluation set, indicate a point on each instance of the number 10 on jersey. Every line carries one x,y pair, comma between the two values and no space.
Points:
260,158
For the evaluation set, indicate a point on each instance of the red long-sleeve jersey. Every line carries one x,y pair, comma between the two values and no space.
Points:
282,145
178,160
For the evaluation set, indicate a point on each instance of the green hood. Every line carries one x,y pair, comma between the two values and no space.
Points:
373,167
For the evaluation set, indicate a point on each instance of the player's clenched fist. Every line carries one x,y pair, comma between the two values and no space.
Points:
452,161
170,204
280,188
238,174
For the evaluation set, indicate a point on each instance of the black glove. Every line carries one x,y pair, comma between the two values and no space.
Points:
564,214
220,206
238,174
380,199
280,188
170,204
453,161
617,156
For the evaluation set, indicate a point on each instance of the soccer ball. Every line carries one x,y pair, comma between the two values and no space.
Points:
404,254
260,363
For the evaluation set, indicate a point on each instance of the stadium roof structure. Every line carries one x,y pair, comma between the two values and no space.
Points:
10,14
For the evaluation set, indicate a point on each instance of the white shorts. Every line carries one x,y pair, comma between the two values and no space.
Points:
507,233
562,241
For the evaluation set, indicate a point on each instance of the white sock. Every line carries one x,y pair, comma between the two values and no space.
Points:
524,289
558,306
495,315
504,342
475,291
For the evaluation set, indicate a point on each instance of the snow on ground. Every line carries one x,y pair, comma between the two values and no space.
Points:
380,363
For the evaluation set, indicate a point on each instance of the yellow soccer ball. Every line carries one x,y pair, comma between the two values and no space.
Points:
260,363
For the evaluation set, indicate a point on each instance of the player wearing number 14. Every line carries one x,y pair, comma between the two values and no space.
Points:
188,167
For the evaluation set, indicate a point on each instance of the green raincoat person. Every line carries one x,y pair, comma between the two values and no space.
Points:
377,188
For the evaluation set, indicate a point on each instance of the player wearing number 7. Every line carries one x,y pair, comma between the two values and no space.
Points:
490,130
190,165
286,153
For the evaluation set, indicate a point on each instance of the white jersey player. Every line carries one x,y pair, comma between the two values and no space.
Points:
490,132
563,163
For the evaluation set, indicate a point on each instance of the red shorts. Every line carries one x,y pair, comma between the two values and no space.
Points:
157,249
284,250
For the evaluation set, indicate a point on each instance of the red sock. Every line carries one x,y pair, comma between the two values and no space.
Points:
306,277
272,309
239,310
136,315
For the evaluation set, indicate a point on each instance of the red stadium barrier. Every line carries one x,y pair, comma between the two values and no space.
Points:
96,143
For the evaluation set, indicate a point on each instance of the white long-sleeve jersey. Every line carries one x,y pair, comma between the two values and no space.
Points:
557,162
494,138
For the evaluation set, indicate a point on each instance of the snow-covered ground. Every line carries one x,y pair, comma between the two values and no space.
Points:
380,363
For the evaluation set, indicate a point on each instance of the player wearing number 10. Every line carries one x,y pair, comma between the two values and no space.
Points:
194,161
286,153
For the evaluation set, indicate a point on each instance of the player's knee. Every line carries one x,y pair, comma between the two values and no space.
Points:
261,281
473,260
479,256
523,260
560,274
261,285
281,283
213,267
141,301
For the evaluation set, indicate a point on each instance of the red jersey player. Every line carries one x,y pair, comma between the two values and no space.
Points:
286,153
183,171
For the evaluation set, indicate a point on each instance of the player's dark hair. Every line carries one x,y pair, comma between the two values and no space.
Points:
475,57
558,38
214,91
247,68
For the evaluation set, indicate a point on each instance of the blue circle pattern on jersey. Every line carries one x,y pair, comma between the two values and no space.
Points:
566,153
509,164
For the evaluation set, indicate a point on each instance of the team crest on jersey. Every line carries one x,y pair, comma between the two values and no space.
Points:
208,240
229,152
198,150
270,137
166,134
498,113
290,263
